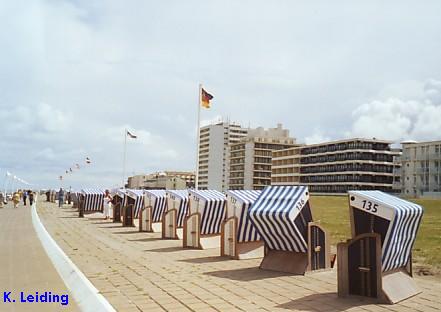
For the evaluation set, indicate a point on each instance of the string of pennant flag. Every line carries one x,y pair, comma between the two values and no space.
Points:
76,167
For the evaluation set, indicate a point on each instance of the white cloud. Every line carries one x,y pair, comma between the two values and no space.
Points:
33,120
316,137
400,119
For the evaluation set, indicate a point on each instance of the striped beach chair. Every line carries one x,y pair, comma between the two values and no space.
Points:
377,261
119,197
239,237
202,226
176,211
134,201
91,201
74,196
293,242
53,196
150,219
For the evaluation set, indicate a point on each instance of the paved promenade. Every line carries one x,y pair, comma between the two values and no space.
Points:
24,265
140,272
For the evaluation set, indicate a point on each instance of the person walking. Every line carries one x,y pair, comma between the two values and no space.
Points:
107,204
60,197
16,199
31,197
25,196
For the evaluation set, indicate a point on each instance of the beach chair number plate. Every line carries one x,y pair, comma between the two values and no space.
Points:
369,206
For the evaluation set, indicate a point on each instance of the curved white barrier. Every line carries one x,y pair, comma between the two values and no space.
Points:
86,296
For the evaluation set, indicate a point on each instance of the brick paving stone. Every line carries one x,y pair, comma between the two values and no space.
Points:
140,270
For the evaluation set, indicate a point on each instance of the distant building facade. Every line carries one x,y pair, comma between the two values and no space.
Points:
136,181
338,166
251,157
421,169
214,151
174,180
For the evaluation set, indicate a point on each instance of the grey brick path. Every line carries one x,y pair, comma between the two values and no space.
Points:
140,272
24,265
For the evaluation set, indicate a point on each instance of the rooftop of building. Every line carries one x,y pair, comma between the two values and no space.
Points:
365,140
412,142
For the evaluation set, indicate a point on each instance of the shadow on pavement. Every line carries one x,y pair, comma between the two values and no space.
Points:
325,301
111,227
247,274
129,232
167,249
148,239
206,260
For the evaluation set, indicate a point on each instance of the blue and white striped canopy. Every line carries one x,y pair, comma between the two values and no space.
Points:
404,216
121,193
212,210
158,201
183,198
240,202
138,196
274,213
93,199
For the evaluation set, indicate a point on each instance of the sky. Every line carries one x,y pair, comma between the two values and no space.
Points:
74,74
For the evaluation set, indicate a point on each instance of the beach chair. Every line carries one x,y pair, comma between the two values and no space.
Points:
202,226
176,210
377,261
119,197
134,201
91,201
74,197
293,242
53,196
150,219
239,238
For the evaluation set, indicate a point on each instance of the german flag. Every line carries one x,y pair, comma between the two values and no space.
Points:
205,98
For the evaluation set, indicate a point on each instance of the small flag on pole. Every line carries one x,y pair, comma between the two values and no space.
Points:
61,177
88,161
77,166
67,172
130,135
70,169
205,98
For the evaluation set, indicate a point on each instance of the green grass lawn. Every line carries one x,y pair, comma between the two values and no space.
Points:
333,212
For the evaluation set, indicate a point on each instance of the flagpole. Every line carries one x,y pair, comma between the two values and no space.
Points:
198,134
124,158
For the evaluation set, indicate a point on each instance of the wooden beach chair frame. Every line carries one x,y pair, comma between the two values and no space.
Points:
360,268
193,239
317,258
231,247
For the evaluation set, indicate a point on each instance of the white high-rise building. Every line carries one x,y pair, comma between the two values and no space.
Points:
214,154
250,165
421,169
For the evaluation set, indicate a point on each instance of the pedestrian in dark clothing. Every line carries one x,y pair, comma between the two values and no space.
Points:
31,197
60,197
25,196
48,196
